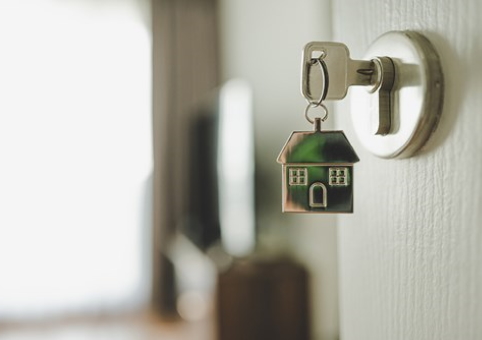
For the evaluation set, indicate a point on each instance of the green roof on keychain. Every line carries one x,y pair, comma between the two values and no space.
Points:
317,166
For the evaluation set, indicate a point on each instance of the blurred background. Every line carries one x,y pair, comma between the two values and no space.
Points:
139,191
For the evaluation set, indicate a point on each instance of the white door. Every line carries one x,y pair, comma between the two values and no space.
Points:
411,254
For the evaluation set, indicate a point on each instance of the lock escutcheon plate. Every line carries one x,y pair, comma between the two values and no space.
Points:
417,96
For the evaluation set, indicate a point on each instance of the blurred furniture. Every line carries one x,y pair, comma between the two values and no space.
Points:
263,300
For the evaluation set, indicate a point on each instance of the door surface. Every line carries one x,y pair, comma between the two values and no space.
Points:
411,254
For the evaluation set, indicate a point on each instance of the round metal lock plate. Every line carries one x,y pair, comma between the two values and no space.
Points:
416,97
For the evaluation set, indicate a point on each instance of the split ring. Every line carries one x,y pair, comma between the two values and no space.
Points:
314,105
305,83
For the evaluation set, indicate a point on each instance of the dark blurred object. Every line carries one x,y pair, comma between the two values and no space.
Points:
263,300
166,299
202,226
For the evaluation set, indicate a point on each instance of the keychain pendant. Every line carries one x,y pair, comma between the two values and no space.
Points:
317,172
317,166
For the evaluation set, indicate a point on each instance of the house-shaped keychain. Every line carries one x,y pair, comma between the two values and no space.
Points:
317,172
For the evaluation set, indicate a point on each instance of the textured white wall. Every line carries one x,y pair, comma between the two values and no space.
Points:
261,42
411,255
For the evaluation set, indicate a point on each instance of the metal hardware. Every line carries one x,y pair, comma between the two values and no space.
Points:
306,77
317,172
416,99
312,106
403,104
343,72
381,116
317,165
394,118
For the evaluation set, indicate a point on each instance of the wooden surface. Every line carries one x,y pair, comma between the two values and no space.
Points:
259,300
139,327
411,255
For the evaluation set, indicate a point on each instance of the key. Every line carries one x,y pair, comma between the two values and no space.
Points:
342,71
338,72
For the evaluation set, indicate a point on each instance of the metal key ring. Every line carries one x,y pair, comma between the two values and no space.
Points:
313,105
305,80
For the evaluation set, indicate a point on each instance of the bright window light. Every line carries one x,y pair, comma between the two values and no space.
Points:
75,156
236,168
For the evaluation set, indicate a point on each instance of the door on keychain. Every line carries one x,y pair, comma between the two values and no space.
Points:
409,256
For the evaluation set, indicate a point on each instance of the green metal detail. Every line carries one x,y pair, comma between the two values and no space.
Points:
317,147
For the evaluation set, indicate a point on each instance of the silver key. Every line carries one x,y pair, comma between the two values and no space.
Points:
339,72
